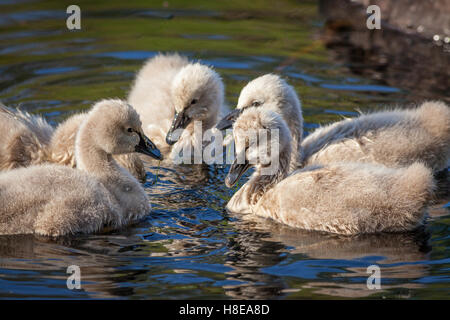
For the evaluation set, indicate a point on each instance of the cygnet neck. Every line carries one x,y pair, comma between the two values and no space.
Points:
260,182
294,118
91,157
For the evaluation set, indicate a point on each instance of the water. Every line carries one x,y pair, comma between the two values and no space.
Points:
189,246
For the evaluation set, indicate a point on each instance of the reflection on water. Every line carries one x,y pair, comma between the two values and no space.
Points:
412,62
189,247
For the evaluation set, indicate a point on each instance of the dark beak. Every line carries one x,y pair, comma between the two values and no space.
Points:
180,121
229,119
236,172
147,147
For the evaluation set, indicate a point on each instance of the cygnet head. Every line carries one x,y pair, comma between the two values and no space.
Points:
116,129
262,139
269,91
198,94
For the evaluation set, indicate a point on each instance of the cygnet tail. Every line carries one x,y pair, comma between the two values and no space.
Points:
435,117
412,189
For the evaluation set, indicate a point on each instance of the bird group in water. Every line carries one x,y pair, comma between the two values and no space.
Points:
369,174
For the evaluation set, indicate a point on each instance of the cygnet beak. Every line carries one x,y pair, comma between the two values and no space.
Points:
147,147
229,119
236,172
180,121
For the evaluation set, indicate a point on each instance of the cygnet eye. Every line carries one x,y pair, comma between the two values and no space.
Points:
130,129
256,104
194,101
